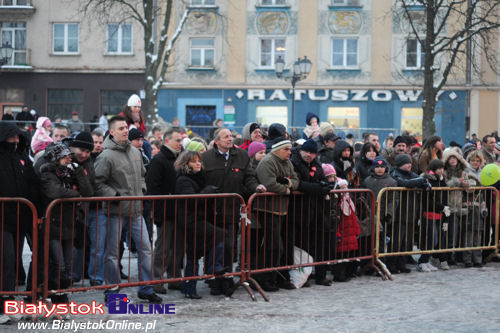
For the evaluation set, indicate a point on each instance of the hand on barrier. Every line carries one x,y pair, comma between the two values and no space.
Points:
427,186
446,211
73,166
484,213
325,189
209,189
445,227
261,189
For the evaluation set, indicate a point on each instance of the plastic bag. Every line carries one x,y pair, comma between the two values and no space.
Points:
299,276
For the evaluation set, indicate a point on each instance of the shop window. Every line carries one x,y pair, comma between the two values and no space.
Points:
266,115
62,102
200,118
411,120
112,101
344,117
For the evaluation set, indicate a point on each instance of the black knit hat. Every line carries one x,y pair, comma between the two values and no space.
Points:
310,146
402,159
400,139
379,161
435,164
134,133
253,127
83,140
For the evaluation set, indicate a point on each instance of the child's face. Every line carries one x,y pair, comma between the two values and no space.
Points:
453,161
346,153
260,155
406,167
439,172
331,178
379,170
343,187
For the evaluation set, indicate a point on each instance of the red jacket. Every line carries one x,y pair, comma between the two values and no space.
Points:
348,230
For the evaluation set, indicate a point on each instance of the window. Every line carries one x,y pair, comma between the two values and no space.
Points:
270,50
344,117
112,100
339,2
14,33
62,102
273,2
411,120
266,115
344,52
200,118
14,2
65,38
415,56
119,38
202,52
202,2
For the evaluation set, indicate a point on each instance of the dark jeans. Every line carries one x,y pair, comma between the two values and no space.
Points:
8,253
60,256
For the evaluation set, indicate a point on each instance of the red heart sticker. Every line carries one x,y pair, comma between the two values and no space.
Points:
22,162
314,168
379,162
236,170
311,173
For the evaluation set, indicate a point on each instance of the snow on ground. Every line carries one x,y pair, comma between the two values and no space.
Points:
458,300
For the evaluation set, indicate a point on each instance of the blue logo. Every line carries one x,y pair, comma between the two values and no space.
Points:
120,304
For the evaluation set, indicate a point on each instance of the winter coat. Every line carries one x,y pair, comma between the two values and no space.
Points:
58,182
161,180
409,202
120,172
345,168
41,139
348,230
17,179
362,167
433,202
196,215
269,168
75,125
325,155
488,157
275,131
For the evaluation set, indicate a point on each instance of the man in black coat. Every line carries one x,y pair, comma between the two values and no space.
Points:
160,180
308,209
18,180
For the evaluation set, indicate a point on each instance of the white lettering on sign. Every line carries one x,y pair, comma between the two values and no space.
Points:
381,95
359,95
314,97
340,95
408,95
355,95
278,94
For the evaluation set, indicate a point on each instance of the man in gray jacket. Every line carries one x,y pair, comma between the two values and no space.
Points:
120,172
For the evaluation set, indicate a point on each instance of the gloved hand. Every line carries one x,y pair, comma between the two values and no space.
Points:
445,227
484,213
282,180
325,189
427,186
260,189
387,219
72,166
447,211
209,189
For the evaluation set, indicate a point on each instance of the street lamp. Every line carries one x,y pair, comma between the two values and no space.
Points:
5,53
301,69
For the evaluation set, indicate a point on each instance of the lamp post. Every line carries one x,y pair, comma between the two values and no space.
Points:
5,53
300,70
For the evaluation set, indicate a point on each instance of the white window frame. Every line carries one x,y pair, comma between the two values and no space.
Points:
202,49
339,2
14,3
344,53
273,3
16,49
65,51
273,52
419,53
119,33
202,3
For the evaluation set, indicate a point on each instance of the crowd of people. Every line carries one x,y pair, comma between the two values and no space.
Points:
121,158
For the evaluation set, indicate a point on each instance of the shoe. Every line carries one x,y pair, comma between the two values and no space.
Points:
404,269
392,269
222,271
96,283
269,286
192,296
324,282
468,265
152,298
444,265
227,285
215,287
432,267
306,285
159,289
59,298
341,278
423,267
174,286
478,264
285,284
123,276
495,259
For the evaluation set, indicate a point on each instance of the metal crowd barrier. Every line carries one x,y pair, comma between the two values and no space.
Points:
315,224
203,230
19,220
437,222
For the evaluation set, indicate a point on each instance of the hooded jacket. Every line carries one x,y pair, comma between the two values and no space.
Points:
344,168
120,172
17,178
41,138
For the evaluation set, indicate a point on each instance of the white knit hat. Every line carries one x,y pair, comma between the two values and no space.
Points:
134,100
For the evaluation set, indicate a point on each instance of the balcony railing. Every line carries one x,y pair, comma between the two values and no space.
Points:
21,59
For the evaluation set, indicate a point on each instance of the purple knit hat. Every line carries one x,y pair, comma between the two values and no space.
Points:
255,147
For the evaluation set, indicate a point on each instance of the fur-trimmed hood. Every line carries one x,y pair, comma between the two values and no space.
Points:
455,152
